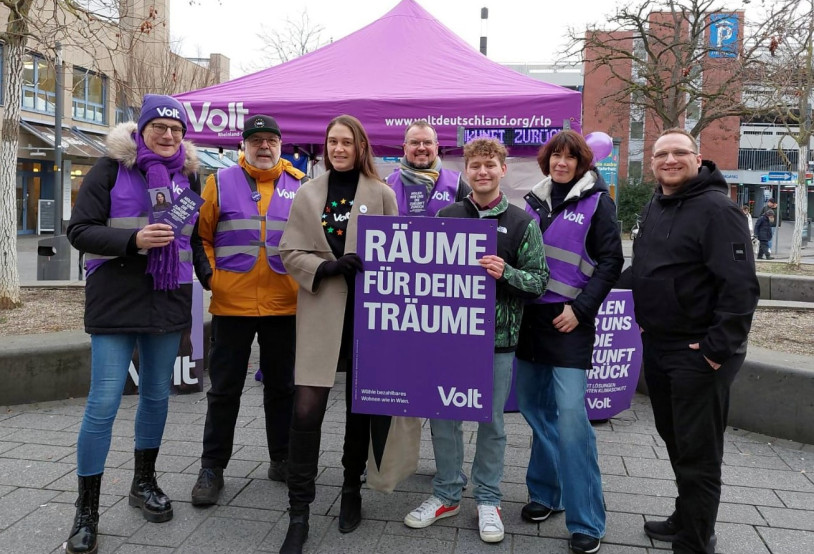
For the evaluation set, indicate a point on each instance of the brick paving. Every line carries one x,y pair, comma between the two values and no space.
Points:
767,501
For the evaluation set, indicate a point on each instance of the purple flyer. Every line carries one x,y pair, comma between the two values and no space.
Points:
181,212
424,322
617,357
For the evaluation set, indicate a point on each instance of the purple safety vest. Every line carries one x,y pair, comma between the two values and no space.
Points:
442,194
568,261
237,236
129,208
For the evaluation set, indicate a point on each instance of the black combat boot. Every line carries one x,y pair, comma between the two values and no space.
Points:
145,492
85,524
303,461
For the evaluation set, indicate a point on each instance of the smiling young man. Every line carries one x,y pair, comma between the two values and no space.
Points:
246,207
519,268
421,185
695,291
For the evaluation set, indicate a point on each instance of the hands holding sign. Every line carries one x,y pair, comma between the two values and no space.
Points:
493,265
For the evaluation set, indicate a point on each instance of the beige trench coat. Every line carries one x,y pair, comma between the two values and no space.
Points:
303,248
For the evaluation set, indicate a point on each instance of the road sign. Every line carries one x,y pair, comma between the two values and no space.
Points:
780,176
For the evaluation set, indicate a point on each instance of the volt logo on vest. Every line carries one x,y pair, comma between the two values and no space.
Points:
438,195
288,194
573,216
425,318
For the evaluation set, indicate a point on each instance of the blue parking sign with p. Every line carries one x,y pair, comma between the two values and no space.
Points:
723,35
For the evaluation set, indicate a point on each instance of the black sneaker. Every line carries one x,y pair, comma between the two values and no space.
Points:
207,488
662,530
584,544
534,512
278,470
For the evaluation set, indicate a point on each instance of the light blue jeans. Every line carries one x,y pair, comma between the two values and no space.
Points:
110,362
490,449
563,469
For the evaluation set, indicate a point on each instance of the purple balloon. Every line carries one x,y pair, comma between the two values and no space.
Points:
601,144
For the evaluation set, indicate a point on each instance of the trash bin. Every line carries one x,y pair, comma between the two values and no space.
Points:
806,232
54,259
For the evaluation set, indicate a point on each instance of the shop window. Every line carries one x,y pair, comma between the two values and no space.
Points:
89,96
39,85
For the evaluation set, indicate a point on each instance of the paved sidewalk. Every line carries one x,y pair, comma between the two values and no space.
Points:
768,496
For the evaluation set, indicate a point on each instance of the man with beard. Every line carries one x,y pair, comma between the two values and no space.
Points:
246,207
695,290
421,185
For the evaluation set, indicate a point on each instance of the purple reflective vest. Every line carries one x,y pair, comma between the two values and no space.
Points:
237,235
568,261
441,196
129,208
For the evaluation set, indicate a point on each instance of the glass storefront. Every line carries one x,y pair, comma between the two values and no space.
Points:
29,185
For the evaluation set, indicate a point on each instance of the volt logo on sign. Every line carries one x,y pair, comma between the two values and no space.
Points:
459,399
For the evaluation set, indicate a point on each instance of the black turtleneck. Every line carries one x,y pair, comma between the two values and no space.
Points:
341,192
559,191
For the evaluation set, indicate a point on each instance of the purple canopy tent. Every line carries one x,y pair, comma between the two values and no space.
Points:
373,75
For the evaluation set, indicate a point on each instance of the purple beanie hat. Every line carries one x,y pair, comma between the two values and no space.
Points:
158,105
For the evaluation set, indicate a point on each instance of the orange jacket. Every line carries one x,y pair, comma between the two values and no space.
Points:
260,291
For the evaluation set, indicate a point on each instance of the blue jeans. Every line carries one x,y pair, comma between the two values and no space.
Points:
490,449
563,471
110,362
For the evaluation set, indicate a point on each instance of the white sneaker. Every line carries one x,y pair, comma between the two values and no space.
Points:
430,511
490,523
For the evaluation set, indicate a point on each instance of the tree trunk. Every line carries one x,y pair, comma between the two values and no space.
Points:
14,50
800,208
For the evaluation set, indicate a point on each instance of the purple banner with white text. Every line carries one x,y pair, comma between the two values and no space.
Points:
424,320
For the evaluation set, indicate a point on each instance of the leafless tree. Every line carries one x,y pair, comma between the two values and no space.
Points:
786,83
661,59
287,41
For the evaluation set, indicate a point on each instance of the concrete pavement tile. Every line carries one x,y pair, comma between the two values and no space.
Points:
661,452
250,437
221,535
788,518
143,549
749,460
42,422
167,463
183,524
640,467
253,514
269,495
182,448
638,504
469,541
330,458
638,485
334,477
43,530
612,465
178,487
518,441
69,497
31,474
754,448
39,452
114,459
364,539
624,529
512,521
798,460
236,468
797,500
785,541
184,418
36,436
6,446
514,456
625,438
524,544
511,474
331,442
739,513
318,528
393,507
4,490
122,520
19,503
179,432
734,538
437,532
749,495
415,543
253,453
115,481
766,478
512,492
625,450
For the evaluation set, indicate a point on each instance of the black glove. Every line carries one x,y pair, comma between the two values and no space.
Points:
348,265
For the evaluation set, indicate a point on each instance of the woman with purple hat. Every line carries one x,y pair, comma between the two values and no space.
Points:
138,294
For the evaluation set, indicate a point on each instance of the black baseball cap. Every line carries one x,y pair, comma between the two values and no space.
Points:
261,124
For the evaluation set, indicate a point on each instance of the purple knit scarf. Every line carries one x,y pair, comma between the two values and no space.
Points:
162,263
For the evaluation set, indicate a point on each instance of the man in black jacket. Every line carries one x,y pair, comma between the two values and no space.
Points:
695,290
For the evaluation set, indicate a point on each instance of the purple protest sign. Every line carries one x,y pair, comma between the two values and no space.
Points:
617,357
424,321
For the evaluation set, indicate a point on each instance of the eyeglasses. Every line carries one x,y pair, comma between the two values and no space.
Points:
257,141
662,154
417,143
161,128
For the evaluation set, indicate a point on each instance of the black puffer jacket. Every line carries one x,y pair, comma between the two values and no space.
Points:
540,341
119,295
694,270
